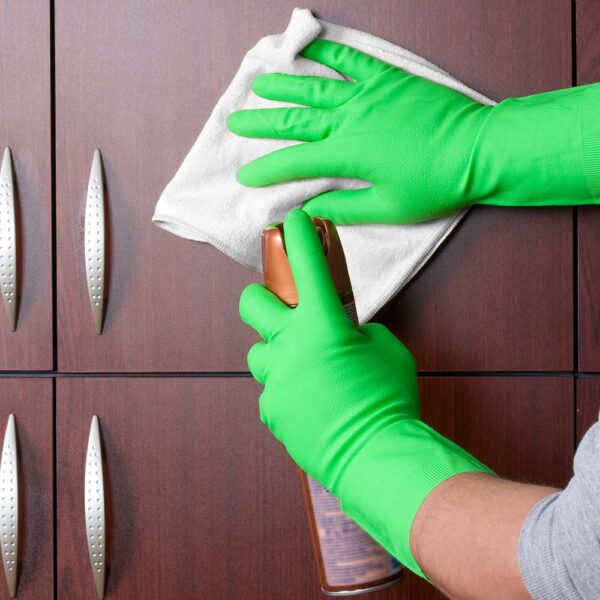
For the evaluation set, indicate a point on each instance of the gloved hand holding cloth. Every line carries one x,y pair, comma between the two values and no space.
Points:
426,149
344,400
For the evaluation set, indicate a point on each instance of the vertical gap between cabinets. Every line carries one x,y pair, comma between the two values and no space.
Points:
54,492
54,294
53,189
575,252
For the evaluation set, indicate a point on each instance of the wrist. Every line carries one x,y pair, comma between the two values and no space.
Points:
384,485
539,150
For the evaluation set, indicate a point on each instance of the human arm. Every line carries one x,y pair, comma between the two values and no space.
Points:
466,533
425,149
344,401
521,540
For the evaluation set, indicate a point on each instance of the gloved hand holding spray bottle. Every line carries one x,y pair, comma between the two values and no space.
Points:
355,389
348,561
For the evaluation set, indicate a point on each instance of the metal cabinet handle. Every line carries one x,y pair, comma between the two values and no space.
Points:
9,511
8,240
95,525
94,241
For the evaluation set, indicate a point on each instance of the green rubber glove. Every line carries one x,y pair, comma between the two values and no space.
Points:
344,400
426,149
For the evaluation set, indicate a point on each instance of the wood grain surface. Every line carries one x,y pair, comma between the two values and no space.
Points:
588,404
172,303
589,288
30,400
25,127
205,503
588,71
486,300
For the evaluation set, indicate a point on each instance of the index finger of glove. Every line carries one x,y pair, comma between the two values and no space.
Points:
309,265
344,59
318,92
262,310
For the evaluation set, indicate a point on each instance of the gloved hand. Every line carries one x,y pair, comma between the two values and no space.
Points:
426,149
344,401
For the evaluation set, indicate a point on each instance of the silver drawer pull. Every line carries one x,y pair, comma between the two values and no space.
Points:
9,512
8,240
94,241
95,525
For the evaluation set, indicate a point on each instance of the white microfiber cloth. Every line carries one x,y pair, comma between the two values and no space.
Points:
204,201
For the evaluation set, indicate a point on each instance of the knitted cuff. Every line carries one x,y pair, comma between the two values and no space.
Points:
590,139
540,150
386,483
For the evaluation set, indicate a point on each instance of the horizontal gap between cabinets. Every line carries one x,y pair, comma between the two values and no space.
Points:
246,374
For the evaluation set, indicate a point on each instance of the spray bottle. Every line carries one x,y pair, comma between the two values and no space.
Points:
348,561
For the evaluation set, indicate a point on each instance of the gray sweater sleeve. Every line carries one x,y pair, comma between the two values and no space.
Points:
559,545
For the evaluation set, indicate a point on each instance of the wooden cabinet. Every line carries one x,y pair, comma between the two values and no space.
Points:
139,84
204,503
589,288
25,127
172,303
30,401
486,300
588,404
588,71
201,501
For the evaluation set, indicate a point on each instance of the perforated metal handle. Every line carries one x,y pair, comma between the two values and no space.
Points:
95,525
8,240
9,506
94,241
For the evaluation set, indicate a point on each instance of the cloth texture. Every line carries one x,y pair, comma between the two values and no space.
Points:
559,545
204,202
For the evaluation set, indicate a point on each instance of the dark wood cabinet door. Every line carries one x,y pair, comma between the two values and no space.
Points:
515,425
139,84
498,294
588,404
497,297
25,127
30,401
588,71
205,503
589,288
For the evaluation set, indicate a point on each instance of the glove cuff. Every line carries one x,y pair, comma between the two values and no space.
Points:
539,150
590,140
384,485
